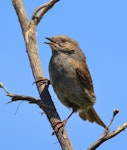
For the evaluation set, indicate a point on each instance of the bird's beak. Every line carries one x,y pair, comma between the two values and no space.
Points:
50,39
51,43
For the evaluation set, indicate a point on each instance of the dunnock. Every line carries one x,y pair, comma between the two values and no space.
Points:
70,78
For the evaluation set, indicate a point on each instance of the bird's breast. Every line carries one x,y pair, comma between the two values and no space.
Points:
62,73
65,83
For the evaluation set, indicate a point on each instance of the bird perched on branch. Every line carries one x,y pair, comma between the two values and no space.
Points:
71,79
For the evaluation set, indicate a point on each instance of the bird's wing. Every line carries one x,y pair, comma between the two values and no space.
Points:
83,74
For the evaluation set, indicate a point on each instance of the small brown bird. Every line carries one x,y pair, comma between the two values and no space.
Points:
70,78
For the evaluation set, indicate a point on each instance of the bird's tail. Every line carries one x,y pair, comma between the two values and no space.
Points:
92,116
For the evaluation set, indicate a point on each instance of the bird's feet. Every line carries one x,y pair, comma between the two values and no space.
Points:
42,80
59,125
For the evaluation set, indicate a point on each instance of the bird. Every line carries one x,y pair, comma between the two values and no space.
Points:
71,79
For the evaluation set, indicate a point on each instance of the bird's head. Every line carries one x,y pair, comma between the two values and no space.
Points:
62,44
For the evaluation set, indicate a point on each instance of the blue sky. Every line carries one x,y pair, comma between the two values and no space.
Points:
100,27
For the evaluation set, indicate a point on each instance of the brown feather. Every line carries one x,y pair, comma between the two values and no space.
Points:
83,74
92,116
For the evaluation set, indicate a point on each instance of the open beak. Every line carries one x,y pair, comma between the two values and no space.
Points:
50,41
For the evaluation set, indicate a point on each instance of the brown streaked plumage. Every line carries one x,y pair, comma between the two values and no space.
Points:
70,78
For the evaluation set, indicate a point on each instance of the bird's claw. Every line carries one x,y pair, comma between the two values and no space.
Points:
59,125
42,81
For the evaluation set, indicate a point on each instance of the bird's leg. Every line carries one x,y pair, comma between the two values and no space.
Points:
42,81
63,123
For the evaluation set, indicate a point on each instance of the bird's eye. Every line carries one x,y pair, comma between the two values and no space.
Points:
63,40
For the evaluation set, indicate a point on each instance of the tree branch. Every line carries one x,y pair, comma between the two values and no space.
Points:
29,32
15,97
117,131
106,135
31,100
21,14
41,10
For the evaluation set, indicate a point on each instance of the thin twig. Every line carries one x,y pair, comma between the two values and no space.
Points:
117,131
5,89
32,100
18,107
115,112
106,135
15,97
37,10
41,10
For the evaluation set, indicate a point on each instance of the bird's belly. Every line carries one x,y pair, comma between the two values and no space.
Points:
74,97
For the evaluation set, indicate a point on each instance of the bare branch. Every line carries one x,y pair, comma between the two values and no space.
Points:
16,97
106,135
115,112
37,10
21,13
29,33
5,89
41,10
31,100
117,131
